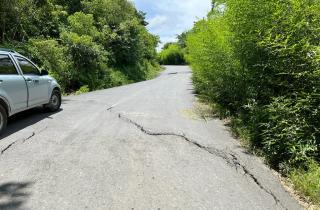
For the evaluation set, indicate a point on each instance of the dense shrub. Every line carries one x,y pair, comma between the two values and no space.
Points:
291,132
220,80
172,54
117,78
259,61
51,56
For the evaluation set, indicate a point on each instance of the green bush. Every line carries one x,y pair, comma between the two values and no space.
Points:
51,56
259,61
291,132
172,55
118,78
88,61
217,73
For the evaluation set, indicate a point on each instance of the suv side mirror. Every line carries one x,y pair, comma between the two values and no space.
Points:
44,73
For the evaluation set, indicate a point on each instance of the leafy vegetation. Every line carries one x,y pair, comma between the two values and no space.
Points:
83,43
83,89
172,54
259,62
308,182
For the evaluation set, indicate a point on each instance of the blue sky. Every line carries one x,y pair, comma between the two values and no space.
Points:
167,18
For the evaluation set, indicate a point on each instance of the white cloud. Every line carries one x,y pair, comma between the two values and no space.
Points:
157,21
168,18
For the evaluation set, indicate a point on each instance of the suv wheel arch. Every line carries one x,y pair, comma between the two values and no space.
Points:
5,105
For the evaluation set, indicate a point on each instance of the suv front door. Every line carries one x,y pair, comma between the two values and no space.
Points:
38,85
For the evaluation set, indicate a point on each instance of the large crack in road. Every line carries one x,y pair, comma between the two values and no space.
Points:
21,140
13,143
230,158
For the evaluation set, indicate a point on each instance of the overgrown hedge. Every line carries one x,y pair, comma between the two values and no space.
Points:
259,60
172,54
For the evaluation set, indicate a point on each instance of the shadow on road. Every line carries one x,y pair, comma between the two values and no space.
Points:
25,119
13,194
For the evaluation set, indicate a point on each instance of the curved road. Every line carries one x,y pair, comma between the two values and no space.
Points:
132,147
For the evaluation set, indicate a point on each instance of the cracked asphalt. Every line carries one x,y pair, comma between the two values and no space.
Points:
132,147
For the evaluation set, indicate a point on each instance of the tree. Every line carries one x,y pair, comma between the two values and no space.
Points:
182,38
72,6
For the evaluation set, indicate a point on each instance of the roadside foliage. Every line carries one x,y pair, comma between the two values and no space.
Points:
259,62
172,54
92,44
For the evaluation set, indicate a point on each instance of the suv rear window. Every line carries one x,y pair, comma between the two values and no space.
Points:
6,65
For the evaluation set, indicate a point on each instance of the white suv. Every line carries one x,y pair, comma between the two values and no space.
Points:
23,86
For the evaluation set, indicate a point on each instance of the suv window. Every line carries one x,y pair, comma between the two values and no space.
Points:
6,65
27,67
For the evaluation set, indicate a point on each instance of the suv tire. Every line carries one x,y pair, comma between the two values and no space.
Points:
3,119
55,101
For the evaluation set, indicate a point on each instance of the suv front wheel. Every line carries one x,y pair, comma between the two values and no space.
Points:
3,119
55,101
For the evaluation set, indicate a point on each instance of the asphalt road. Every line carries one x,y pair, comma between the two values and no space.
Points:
132,147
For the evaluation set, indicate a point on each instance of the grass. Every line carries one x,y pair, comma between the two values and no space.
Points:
83,89
199,111
308,182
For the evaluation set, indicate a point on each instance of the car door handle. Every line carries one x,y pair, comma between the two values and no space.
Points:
1,81
28,79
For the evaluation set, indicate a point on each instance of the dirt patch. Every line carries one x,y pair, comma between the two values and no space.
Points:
199,111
